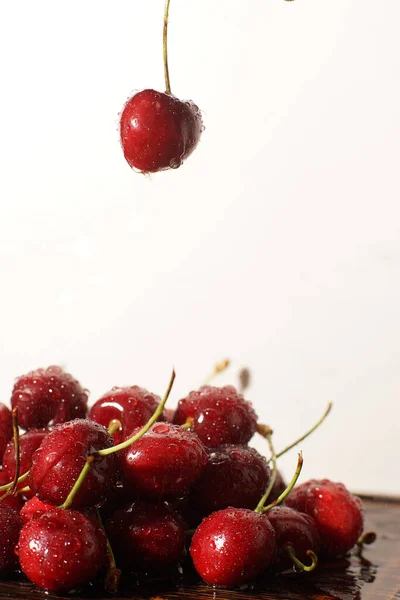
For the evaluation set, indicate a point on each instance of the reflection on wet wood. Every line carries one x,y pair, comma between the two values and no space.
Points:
374,576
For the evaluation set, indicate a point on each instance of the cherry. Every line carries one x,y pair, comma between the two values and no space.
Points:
157,130
61,549
337,513
296,533
34,508
5,428
131,406
57,464
28,443
15,501
220,416
232,546
10,526
279,486
146,536
234,476
47,397
164,462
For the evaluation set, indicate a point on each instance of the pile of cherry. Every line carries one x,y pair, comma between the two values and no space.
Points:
131,487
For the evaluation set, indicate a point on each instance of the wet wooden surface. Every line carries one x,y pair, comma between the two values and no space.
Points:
375,576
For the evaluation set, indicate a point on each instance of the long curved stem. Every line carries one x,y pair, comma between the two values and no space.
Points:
289,488
7,486
260,505
308,568
165,48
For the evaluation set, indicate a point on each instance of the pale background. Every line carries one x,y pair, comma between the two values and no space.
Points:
277,243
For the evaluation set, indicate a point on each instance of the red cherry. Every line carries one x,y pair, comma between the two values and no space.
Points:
131,406
28,443
146,536
5,428
57,464
16,501
158,131
10,526
61,549
34,508
295,529
337,513
165,462
232,546
47,397
234,476
220,415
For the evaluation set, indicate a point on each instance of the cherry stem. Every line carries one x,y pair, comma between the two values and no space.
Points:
244,379
165,48
367,538
113,573
314,558
150,422
303,437
77,485
260,506
20,479
11,490
23,490
289,488
113,426
188,423
221,366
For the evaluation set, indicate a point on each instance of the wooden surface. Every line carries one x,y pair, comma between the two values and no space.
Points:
375,576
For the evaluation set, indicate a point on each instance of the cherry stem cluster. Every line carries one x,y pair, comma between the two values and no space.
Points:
289,488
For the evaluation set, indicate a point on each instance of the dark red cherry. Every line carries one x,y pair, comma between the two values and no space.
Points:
234,476
5,428
146,536
158,131
220,415
47,397
10,526
34,508
337,513
16,501
296,529
232,546
57,464
28,443
61,549
131,406
165,462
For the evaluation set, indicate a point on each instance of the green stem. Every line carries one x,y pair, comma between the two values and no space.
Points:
165,48
309,432
219,368
188,423
7,486
113,426
289,488
113,573
150,422
314,558
260,505
82,476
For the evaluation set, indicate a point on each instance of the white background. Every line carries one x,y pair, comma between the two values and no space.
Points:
276,244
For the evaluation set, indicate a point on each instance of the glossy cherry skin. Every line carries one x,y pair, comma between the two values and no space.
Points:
29,442
232,546
58,462
235,476
338,514
146,536
296,529
158,131
61,549
5,428
132,406
220,416
34,508
164,462
10,526
47,397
